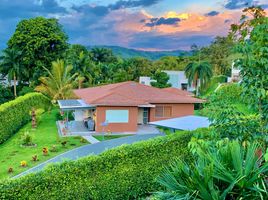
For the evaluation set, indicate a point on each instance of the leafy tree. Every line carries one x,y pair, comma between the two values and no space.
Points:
225,171
40,41
59,83
172,63
251,36
103,55
11,66
198,73
219,54
5,94
161,80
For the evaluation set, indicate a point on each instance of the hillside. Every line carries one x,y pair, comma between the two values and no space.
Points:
129,53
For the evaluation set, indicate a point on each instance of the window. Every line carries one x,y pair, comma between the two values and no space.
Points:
117,116
163,111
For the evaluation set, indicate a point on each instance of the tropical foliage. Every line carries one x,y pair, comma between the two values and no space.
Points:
59,83
10,66
198,74
251,36
227,171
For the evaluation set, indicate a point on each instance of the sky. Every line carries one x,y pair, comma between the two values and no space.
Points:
151,25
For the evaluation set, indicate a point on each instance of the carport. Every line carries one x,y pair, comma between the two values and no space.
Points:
189,123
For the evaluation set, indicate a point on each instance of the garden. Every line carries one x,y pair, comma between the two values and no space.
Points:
32,146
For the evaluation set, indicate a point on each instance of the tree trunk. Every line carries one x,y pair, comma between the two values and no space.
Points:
15,86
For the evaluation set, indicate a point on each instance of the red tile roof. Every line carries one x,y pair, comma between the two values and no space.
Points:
178,91
131,94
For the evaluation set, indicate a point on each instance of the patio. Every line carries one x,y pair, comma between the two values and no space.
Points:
78,128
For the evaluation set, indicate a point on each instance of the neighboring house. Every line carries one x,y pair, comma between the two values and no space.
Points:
235,74
177,79
121,107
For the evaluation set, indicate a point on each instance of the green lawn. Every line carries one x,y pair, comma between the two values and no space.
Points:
46,135
108,137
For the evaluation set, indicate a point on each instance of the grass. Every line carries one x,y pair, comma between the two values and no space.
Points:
45,135
108,137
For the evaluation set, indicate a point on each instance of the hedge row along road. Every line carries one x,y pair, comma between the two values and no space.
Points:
125,172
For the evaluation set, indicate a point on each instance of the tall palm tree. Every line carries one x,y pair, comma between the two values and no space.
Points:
59,83
198,73
10,66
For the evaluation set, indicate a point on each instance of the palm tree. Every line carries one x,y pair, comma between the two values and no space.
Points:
10,66
59,83
198,73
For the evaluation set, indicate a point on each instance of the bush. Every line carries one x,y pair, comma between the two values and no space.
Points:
5,94
14,114
230,171
126,172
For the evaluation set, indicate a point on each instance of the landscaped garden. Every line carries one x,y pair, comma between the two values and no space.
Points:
30,147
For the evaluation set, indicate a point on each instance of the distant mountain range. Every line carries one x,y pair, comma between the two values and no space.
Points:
152,55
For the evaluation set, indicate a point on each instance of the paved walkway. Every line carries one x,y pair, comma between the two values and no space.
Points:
89,150
91,139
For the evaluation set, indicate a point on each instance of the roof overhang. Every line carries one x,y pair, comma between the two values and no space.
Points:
74,104
146,106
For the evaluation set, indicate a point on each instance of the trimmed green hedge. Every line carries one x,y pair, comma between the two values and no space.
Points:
126,172
15,113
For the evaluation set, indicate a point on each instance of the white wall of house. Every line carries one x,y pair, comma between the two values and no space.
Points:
146,80
177,79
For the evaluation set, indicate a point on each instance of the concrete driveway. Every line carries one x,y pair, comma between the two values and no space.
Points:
89,150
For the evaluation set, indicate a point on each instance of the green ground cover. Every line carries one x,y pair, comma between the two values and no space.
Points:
45,135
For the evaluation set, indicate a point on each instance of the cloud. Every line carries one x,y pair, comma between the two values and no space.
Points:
132,4
145,40
212,13
162,21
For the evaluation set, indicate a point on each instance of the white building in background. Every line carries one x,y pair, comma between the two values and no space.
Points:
177,79
235,74
146,80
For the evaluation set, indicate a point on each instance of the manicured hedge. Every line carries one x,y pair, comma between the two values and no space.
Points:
126,172
15,113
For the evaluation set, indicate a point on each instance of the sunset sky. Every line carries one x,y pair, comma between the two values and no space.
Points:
139,24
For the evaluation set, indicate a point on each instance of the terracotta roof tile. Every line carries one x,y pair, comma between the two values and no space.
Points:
131,94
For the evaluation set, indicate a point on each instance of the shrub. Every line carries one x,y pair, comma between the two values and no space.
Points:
228,172
34,158
10,170
14,114
125,172
23,163
27,139
45,151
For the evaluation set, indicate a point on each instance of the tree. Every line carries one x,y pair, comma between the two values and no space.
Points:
40,41
59,83
103,55
220,53
251,36
161,80
11,66
198,73
5,94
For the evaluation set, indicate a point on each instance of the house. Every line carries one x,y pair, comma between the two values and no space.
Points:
122,107
177,79
235,74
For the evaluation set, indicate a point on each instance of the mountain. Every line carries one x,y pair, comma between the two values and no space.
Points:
129,53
